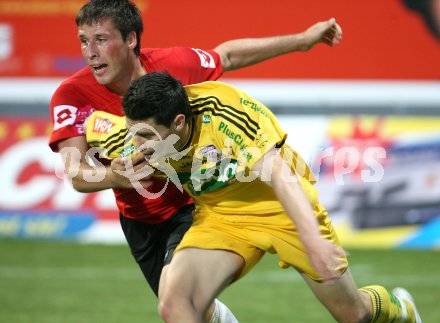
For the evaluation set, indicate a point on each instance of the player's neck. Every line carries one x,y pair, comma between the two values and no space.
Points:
138,70
133,72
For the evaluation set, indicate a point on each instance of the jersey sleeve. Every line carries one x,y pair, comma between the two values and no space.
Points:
67,115
189,65
108,134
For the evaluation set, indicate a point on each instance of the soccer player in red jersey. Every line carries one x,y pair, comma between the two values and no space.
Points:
109,33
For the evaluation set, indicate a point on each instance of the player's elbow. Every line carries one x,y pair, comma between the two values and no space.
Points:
225,57
82,185
78,185
281,175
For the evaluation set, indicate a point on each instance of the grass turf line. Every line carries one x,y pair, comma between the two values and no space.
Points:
66,282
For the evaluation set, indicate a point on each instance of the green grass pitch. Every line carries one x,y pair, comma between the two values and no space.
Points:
52,282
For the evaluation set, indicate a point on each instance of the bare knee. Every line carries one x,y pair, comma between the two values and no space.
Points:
178,309
170,309
165,310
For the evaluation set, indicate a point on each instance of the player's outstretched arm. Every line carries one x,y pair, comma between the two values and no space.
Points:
239,53
322,253
86,178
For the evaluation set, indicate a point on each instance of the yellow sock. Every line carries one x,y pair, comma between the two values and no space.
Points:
387,307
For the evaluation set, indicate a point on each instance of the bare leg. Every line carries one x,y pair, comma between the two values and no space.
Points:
343,300
192,281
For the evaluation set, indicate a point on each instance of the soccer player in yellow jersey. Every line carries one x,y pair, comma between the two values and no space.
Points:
253,194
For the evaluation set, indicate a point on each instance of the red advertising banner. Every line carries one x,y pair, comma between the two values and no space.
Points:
382,39
32,177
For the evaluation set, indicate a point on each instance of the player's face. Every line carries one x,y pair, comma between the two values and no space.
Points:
106,53
150,137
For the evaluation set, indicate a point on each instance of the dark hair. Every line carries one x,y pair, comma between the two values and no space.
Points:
156,95
426,10
124,15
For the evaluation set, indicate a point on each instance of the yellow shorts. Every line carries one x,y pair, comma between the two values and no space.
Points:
252,235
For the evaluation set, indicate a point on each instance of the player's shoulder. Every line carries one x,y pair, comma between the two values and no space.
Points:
213,88
212,101
79,89
104,115
79,81
164,51
178,54
103,130
153,55
104,123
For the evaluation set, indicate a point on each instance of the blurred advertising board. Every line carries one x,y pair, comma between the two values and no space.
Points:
382,39
377,176
35,202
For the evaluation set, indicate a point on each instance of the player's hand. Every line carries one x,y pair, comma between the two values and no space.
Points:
327,32
127,171
325,258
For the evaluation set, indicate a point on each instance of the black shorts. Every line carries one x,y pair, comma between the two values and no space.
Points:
152,245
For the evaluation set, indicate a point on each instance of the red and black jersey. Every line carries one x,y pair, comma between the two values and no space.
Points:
78,96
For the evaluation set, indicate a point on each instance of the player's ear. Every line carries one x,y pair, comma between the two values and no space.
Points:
179,122
132,40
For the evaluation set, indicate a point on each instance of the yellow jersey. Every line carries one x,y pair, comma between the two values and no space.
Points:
230,132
